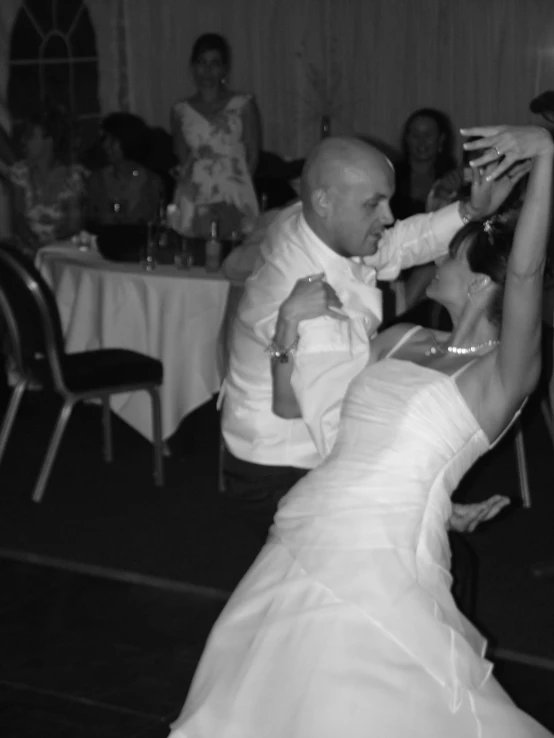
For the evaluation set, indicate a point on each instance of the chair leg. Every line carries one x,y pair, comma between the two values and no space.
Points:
63,417
107,423
547,413
157,435
221,476
13,407
522,465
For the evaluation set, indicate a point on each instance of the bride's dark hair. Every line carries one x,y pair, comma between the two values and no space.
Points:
489,246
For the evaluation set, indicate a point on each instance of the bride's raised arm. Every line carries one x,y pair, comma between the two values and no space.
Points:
519,353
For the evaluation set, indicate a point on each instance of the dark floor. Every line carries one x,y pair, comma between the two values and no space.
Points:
88,656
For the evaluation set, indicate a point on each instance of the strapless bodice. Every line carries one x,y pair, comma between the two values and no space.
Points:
406,439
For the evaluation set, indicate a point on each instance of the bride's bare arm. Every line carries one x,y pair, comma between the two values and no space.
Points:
518,358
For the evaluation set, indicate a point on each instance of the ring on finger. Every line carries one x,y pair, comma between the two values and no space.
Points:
498,152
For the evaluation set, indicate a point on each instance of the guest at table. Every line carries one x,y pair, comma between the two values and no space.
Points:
48,190
124,191
216,135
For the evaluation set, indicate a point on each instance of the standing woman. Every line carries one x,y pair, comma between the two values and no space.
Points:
216,135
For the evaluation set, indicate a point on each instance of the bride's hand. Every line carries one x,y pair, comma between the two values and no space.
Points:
503,146
487,195
465,518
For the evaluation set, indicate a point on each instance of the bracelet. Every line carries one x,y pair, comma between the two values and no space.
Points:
282,354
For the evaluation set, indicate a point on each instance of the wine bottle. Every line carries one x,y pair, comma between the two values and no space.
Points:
213,248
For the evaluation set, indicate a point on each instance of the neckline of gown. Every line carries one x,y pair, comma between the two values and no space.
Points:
213,117
451,380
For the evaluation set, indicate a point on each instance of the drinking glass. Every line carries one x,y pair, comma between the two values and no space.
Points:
148,255
182,255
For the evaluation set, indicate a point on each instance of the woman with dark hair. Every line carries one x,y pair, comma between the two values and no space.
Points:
124,191
427,154
47,188
345,624
216,135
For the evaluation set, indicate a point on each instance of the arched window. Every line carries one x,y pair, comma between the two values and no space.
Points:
53,58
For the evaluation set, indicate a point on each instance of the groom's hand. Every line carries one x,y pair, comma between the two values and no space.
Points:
465,518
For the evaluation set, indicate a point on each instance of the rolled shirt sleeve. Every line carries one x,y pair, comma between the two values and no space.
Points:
416,240
330,354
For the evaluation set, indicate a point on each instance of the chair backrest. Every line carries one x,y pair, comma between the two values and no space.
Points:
30,314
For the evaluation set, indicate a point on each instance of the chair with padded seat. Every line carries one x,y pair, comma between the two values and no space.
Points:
36,348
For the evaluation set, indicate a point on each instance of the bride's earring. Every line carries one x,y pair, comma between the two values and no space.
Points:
470,298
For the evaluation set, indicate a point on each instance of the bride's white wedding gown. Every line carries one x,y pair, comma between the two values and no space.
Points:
345,627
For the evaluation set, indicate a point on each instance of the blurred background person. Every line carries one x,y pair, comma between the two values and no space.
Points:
124,191
47,188
216,135
427,154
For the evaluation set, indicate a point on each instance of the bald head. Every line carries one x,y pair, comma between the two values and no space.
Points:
339,162
345,190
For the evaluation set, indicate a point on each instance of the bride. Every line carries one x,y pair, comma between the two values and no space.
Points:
345,624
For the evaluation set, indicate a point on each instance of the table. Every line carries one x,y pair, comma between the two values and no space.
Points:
169,314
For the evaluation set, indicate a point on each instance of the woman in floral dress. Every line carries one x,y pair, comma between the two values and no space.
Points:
216,136
48,191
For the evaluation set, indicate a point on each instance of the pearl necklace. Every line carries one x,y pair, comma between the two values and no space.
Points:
461,350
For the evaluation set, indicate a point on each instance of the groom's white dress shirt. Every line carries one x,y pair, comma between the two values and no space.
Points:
330,352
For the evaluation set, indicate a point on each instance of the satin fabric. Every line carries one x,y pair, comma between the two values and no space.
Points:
345,624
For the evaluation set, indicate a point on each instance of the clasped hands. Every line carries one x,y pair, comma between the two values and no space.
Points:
505,154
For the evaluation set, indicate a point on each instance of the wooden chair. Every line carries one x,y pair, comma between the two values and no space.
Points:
35,344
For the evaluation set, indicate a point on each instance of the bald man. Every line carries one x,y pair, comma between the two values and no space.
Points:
339,230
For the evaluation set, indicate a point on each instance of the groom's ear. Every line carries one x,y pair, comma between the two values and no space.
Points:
320,201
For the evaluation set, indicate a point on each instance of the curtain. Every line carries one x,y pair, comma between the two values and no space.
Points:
366,63
103,14
480,61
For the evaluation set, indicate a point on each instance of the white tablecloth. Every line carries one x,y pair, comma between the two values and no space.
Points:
169,314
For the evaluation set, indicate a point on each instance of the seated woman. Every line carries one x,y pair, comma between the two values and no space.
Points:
217,139
345,624
48,190
124,192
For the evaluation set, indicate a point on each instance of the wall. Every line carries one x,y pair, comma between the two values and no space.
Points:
481,61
